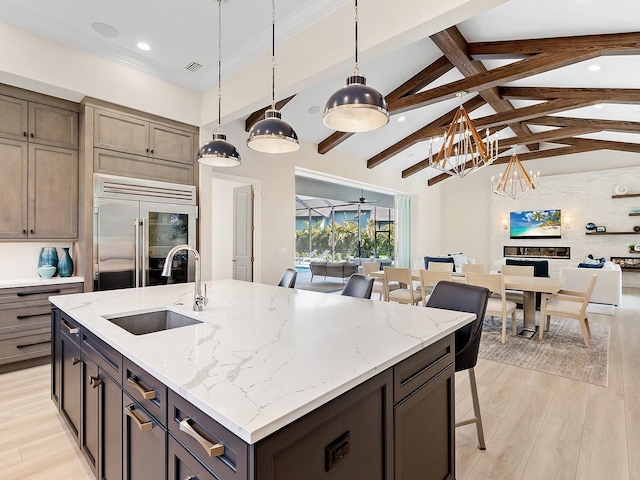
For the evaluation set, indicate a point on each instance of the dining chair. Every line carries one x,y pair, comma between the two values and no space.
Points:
378,285
475,267
429,279
441,267
567,304
462,297
405,292
516,296
498,305
288,278
358,286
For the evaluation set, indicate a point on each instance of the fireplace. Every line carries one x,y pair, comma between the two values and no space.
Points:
537,252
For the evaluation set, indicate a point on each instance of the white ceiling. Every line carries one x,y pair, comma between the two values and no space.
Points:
182,32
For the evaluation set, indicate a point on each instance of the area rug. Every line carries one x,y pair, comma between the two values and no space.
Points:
325,287
561,352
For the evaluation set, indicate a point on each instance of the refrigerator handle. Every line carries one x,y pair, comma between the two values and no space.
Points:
145,252
137,255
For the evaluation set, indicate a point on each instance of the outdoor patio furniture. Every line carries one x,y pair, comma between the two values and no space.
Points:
332,269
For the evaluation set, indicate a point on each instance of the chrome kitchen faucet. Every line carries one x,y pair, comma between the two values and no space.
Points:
199,299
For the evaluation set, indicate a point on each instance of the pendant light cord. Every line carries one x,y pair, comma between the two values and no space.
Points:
273,54
219,62
356,68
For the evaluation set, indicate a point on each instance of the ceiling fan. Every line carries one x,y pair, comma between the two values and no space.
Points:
362,200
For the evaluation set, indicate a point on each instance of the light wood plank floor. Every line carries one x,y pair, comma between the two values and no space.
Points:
537,426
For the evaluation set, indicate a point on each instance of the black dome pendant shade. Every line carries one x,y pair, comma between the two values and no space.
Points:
272,134
218,152
356,107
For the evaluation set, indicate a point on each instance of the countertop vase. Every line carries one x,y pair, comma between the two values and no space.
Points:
48,256
65,264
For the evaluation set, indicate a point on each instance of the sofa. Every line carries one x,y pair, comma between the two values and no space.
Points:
608,287
332,269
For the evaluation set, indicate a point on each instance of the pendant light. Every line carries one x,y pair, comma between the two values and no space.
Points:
219,152
356,107
272,134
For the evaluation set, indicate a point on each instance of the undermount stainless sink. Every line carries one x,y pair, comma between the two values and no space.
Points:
149,322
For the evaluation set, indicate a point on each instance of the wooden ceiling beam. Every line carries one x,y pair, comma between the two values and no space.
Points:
454,46
602,144
540,63
548,136
259,114
416,83
610,44
600,125
617,95
433,129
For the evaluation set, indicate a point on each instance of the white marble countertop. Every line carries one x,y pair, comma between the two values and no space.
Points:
37,281
264,356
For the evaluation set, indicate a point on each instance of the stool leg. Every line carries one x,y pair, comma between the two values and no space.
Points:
476,409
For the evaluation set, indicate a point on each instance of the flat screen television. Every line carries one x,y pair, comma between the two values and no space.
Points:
535,224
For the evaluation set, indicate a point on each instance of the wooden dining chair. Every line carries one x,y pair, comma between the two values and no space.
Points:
475,267
429,279
378,285
498,305
516,296
567,304
405,292
441,267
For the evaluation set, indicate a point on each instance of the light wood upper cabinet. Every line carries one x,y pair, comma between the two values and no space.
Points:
13,188
171,144
13,118
53,126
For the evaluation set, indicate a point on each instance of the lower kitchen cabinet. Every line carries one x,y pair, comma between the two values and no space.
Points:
144,443
182,465
70,383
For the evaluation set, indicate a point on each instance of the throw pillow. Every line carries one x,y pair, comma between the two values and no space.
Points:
591,262
443,259
458,260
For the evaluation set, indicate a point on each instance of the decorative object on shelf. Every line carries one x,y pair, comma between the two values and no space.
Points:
514,182
65,264
590,226
636,228
463,151
356,107
637,247
621,190
48,256
219,152
601,228
272,134
46,271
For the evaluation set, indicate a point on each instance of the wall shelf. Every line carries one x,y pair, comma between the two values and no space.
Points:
627,195
612,233
636,214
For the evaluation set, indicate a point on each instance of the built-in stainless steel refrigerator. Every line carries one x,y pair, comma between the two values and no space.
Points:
136,223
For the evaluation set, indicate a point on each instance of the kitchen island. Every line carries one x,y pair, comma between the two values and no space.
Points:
297,381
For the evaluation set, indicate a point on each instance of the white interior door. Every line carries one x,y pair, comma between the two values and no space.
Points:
243,233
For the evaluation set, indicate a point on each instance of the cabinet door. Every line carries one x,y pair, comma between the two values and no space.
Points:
53,192
424,431
121,133
171,144
13,118
55,356
110,459
90,412
53,126
70,380
13,188
144,444
182,465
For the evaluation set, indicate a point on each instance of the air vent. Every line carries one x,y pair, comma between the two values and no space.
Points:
193,67
111,186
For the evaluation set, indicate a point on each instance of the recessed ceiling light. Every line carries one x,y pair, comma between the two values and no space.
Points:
314,109
598,106
105,29
401,118
144,46
594,68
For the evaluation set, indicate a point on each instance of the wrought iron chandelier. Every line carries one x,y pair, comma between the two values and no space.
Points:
463,150
514,182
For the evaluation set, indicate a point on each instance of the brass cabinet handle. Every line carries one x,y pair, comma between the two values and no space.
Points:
69,327
95,382
212,449
140,422
75,360
146,394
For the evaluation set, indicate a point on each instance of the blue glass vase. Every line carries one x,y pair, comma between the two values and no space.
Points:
65,264
48,256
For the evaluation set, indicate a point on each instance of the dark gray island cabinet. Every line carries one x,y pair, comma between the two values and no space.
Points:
399,424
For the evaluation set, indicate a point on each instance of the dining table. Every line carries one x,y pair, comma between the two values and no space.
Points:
528,285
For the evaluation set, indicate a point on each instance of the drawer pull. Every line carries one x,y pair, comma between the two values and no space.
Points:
33,344
212,449
95,382
42,292
75,360
69,327
23,317
142,425
146,394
